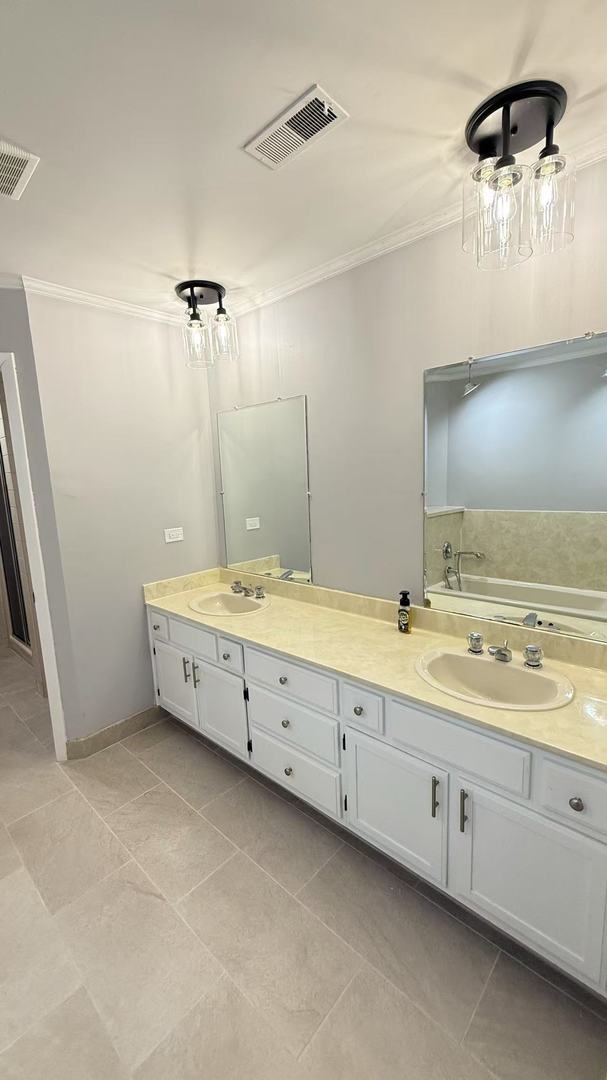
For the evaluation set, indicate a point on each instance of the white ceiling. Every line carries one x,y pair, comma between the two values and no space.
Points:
139,109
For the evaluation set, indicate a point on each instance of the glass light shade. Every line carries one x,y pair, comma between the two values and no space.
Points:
197,343
477,200
552,204
504,237
225,337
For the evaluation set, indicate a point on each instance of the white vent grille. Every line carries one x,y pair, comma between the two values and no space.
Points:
16,168
311,116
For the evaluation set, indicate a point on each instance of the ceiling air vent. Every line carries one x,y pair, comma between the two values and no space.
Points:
16,168
311,116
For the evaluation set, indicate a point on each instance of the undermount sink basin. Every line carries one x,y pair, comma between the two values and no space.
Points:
228,603
486,681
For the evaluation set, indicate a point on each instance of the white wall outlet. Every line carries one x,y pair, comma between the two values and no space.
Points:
252,523
172,535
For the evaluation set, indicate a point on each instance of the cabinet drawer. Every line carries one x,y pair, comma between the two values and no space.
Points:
230,654
159,625
560,785
318,690
295,724
298,773
477,755
193,638
361,707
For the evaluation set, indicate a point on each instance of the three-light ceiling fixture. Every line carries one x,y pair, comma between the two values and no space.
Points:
207,339
510,210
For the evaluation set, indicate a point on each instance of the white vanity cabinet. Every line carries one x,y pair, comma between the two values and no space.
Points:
540,881
174,682
222,710
399,803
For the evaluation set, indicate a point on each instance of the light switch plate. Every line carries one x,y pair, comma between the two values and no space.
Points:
172,535
252,523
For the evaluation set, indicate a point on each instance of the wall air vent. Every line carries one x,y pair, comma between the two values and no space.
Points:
16,168
311,116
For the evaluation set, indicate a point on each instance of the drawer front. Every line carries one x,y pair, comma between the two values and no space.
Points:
561,786
230,655
310,686
295,724
475,754
194,639
299,774
361,707
159,625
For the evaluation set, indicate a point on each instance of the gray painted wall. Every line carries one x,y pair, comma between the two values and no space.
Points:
264,475
528,439
362,365
128,434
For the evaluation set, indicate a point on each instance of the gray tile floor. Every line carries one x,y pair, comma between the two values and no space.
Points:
165,916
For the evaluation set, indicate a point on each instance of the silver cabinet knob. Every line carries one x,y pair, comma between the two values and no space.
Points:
576,804
156,626
358,710
283,680
225,656
288,771
285,723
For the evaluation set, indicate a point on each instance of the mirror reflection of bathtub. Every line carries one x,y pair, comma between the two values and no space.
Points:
564,610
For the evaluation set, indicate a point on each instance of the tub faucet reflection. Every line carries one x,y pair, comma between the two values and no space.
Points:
457,569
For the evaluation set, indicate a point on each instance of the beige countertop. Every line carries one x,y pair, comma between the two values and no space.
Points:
373,651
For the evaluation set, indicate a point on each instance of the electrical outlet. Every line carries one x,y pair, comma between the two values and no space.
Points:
172,535
252,523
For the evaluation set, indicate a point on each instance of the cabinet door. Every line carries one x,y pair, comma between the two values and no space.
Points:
175,682
398,802
222,711
544,882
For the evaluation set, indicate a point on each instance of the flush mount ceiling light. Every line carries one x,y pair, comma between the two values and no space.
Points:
470,386
207,339
510,210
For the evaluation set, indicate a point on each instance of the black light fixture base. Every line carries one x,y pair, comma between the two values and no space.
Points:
205,292
536,106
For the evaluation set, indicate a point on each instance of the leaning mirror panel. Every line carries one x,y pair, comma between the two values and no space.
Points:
516,487
264,481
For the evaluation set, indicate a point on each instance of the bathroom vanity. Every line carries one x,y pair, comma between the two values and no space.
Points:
506,811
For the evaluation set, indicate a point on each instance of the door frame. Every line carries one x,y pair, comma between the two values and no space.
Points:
8,374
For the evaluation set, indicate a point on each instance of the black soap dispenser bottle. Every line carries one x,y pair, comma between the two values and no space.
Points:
404,612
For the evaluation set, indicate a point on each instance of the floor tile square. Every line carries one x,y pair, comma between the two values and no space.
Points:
110,778
29,778
141,965
284,961
9,856
278,836
26,703
148,737
190,768
66,848
173,844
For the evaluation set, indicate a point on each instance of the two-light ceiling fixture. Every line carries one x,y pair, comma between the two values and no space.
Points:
207,339
510,210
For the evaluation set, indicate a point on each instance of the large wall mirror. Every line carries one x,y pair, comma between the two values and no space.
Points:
516,487
264,481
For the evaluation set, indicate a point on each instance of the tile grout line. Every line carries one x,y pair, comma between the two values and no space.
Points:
62,795
320,869
480,998
331,1010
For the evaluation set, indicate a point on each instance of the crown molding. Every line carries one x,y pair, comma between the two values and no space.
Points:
105,303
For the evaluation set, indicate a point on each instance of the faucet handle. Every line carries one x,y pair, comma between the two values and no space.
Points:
533,656
475,642
236,586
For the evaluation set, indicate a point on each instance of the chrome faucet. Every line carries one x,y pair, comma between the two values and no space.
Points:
501,652
457,569
237,587
260,592
530,619
248,591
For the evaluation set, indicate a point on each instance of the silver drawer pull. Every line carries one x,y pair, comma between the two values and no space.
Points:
283,680
288,771
156,626
576,804
358,710
285,723
225,656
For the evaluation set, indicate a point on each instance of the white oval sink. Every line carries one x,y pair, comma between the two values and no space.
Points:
486,681
228,603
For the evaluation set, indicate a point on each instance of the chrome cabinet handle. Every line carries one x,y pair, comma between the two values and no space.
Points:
195,668
358,710
285,723
156,626
225,656
283,680
288,771
186,673
576,804
463,817
435,802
